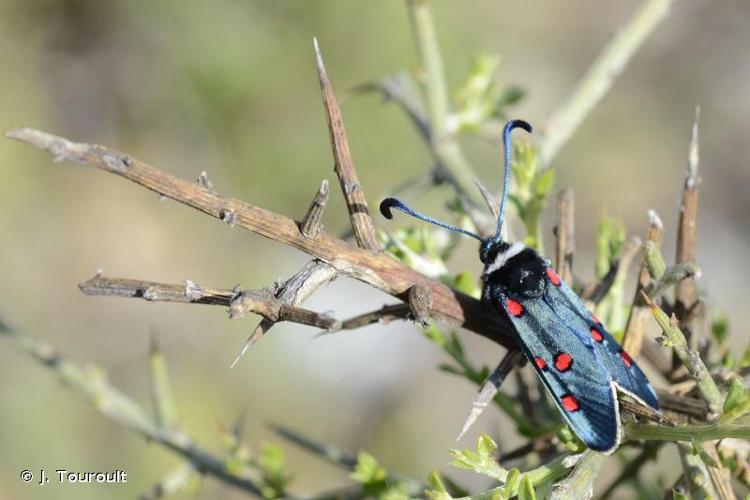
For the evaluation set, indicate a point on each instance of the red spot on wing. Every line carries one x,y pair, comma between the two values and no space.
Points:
563,361
553,277
570,403
626,359
514,308
596,335
540,363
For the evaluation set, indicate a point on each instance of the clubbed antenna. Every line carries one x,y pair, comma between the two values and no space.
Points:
389,203
506,179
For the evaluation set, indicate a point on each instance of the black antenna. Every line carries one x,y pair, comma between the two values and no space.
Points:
506,179
387,204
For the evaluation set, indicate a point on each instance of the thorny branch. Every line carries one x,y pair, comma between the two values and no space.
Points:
374,268
294,291
311,223
364,228
687,238
684,316
332,256
240,302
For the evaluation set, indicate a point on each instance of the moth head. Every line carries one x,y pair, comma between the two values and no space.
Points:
490,248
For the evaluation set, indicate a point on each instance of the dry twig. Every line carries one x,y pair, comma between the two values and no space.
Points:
364,229
374,268
687,238
640,312
311,223
240,302
294,291
565,232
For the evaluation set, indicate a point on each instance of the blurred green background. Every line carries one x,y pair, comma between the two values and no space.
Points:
230,87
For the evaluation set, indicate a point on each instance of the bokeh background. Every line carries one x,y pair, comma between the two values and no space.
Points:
230,87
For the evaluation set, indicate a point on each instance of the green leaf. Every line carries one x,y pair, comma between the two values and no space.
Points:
436,482
511,95
375,481
479,98
736,404
570,440
526,491
453,370
275,479
676,495
486,446
735,395
438,491
745,360
610,241
435,335
544,183
368,471
272,458
511,483
482,461
727,361
720,329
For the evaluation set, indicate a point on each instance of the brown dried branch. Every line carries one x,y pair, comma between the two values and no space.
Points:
293,292
311,223
420,304
156,292
686,296
687,239
565,232
640,312
384,314
690,407
364,228
376,269
418,308
240,302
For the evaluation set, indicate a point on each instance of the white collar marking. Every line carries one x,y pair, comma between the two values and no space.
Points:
503,257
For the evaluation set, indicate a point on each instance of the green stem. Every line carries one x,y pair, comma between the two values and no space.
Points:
655,260
580,483
709,432
690,359
91,383
436,88
698,481
539,477
600,77
443,143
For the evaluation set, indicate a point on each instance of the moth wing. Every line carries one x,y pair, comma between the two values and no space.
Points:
550,335
621,367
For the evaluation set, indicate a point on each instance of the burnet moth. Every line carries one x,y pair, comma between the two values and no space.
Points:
576,358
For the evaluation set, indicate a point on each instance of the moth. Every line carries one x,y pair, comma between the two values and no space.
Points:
576,358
